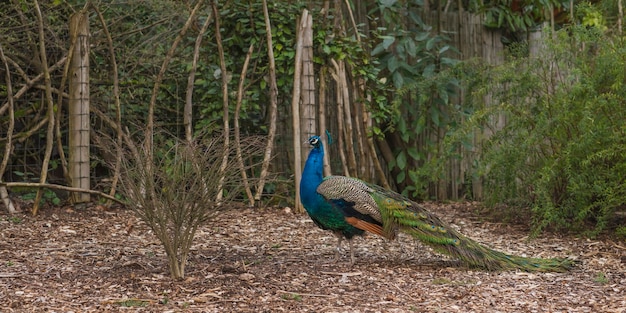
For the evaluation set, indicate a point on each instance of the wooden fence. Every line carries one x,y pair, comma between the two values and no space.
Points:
470,37
473,40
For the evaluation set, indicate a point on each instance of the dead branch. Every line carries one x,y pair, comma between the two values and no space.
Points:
356,30
59,187
116,96
50,111
120,132
225,117
157,82
8,145
273,105
21,137
240,92
30,83
188,110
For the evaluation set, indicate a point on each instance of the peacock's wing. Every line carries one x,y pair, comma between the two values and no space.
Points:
375,209
353,198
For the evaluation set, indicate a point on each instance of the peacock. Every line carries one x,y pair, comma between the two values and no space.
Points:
350,207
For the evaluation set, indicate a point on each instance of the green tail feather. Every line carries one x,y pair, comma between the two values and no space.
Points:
399,213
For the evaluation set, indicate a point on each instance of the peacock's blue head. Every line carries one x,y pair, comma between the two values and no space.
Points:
315,141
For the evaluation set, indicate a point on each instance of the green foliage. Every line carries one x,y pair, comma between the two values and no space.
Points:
49,196
14,219
134,303
561,151
291,296
419,62
243,24
514,15
621,232
590,16
601,278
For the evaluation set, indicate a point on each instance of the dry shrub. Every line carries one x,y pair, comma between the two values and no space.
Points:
174,188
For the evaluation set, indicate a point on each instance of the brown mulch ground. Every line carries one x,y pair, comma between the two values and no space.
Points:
272,260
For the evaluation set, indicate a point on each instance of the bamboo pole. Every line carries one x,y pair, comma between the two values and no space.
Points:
307,80
295,106
344,106
359,129
322,117
340,122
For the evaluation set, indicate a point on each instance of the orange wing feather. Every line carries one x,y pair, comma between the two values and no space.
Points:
369,227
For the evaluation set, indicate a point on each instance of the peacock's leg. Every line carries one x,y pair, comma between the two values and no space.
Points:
351,252
338,248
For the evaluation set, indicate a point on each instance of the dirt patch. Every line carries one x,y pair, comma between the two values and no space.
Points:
272,260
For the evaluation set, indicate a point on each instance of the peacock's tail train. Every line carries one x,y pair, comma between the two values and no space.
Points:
410,218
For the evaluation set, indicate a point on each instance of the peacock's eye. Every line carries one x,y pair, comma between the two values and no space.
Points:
313,141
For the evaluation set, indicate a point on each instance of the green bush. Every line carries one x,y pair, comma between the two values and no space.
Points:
561,149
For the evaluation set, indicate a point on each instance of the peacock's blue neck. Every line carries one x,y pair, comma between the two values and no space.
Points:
312,176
